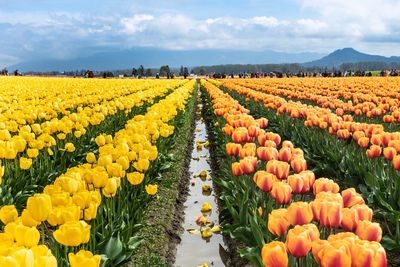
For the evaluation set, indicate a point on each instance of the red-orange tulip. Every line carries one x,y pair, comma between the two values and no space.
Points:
389,153
370,231
296,182
273,137
368,254
309,180
253,130
278,222
374,151
263,122
233,149
285,154
279,168
248,164
330,214
363,212
298,241
349,219
298,164
274,254
267,153
264,180
335,254
316,247
325,185
281,192
363,141
312,231
351,198
299,213
396,162
236,170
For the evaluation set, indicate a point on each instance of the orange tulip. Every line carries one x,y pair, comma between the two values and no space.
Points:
316,247
363,212
395,144
298,241
274,254
312,231
233,149
296,182
263,122
376,139
281,192
298,164
267,153
368,254
389,153
248,164
325,185
253,130
370,231
299,213
264,180
396,162
287,144
279,168
330,214
349,219
374,151
309,180
285,154
236,170
351,198
335,254
273,137
363,141
278,222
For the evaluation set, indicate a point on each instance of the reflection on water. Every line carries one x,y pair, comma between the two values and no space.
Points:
195,250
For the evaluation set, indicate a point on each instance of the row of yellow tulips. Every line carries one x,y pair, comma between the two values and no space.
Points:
73,199
371,136
285,177
369,96
30,139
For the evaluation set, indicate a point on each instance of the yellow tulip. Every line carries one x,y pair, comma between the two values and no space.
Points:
39,206
151,189
135,178
110,190
8,214
8,261
25,163
142,165
26,236
27,219
69,147
84,259
73,234
32,152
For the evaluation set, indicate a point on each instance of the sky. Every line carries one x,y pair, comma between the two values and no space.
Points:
53,29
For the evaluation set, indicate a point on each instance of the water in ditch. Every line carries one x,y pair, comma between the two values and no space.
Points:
195,250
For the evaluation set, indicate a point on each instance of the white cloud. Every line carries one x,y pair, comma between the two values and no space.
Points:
370,25
135,24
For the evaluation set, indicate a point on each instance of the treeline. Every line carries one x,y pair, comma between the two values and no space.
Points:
366,66
248,68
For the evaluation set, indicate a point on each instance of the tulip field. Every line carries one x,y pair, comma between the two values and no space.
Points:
305,171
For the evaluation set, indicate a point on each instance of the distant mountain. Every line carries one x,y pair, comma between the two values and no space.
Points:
348,55
154,58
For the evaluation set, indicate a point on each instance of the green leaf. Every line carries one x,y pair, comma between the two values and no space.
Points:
134,242
113,247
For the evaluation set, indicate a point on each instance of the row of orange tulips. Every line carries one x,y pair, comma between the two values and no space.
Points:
369,96
286,177
371,136
74,198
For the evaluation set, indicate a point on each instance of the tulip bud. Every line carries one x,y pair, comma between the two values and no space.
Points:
39,206
281,192
278,222
274,254
370,231
236,169
299,213
351,198
264,180
298,242
84,258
